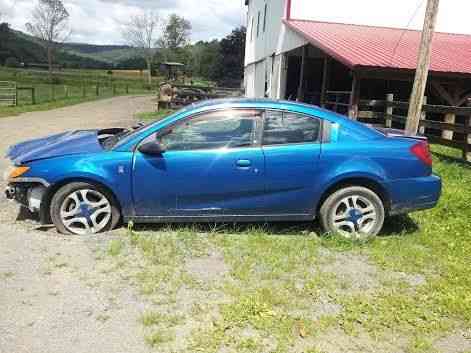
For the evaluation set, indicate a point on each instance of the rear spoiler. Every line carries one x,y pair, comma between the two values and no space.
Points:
389,132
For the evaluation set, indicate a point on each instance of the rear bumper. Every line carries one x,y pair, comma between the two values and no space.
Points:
408,195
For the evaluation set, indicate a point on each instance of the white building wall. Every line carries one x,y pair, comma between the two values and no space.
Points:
249,81
264,43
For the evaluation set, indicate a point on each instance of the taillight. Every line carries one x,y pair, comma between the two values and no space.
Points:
422,151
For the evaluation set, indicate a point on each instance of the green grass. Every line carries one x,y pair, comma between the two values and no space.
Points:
115,247
438,248
13,111
156,318
44,104
70,87
159,338
154,116
269,300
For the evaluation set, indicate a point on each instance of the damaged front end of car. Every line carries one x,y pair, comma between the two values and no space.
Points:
27,191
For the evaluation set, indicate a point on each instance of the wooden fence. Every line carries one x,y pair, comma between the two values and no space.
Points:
59,92
338,101
8,93
444,125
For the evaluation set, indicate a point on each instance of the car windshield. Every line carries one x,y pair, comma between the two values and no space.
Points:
118,139
111,141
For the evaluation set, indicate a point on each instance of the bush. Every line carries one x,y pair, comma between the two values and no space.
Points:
12,62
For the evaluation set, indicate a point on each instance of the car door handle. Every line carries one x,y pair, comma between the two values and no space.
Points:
243,163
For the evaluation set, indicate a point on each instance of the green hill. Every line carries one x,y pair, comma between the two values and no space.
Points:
26,49
111,54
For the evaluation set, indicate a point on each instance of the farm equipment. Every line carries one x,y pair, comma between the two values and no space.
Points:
174,96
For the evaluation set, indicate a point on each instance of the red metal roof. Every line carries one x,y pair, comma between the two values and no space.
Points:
367,46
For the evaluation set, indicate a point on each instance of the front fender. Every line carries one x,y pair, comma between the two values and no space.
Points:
111,169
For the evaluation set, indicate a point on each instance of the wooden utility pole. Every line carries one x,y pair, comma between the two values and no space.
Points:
423,65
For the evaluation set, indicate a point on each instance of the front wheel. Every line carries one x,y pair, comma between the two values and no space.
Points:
353,212
84,208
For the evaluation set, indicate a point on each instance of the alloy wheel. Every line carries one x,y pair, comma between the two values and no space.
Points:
85,211
354,216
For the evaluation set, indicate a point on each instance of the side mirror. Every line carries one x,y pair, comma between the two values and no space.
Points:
152,149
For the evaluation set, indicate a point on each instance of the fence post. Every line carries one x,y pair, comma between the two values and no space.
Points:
127,89
389,110
97,89
66,91
423,116
53,93
16,96
467,140
114,89
84,91
450,119
33,95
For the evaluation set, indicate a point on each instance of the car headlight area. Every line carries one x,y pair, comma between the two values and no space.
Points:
13,172
28,195
23,190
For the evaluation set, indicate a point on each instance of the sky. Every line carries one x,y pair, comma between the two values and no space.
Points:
453,15
99,21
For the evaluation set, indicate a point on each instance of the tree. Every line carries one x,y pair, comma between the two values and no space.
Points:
229,68
204,56
50,24
177,31
4,34
141,32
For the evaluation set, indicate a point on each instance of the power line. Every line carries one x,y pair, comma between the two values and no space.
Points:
420,3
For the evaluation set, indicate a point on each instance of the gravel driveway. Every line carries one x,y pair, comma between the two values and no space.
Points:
54,294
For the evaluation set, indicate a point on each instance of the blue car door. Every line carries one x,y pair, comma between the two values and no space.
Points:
291,145
212,165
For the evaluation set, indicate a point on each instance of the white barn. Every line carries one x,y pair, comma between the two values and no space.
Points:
268,39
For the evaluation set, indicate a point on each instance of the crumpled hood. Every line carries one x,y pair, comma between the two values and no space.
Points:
67,143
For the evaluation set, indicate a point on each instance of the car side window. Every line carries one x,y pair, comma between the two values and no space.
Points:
221,129
288,128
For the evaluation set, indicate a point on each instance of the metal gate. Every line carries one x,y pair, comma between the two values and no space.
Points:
8,93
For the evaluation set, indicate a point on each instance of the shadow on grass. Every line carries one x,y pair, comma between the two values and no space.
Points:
399,226
272,228
450,159
393,226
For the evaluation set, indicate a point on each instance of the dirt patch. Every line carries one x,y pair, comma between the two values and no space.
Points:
337,341
413,280
207,269
457,342
54,294
355,272
322,308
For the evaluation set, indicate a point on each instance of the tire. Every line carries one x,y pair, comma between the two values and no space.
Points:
353,212
78,204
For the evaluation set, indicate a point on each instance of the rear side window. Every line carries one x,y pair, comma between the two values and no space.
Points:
282,128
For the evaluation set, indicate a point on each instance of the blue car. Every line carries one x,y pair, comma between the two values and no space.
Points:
237,160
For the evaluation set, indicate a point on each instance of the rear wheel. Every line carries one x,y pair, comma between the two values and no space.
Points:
84,208
353,212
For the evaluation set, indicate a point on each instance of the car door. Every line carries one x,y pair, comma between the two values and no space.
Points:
213,165
291,145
